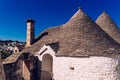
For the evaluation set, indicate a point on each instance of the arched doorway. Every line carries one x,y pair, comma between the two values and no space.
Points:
46,69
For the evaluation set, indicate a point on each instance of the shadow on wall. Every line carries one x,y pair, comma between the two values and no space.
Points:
13,71
46,72
31,68
39,63
35,68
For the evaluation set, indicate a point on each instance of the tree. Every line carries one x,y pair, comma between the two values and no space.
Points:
5,53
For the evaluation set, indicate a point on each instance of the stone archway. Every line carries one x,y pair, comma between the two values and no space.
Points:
47,66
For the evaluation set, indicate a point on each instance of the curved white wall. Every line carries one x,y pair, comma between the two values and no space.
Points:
86,68
83,68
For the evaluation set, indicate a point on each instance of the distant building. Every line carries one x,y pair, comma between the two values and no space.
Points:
80,49
18,48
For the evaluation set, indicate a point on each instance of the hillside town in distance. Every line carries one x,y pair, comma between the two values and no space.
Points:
7,47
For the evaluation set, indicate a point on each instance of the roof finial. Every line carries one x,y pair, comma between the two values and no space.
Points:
104,10
79,7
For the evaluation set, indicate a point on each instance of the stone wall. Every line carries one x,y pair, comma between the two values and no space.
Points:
2,74
30,68
25,68
86,68
13,71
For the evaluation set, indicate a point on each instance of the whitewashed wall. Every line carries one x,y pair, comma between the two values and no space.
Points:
89,68
83,68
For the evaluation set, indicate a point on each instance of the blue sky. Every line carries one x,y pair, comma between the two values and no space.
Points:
48,13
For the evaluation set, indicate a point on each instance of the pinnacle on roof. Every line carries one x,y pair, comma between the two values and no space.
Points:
79,7
79,14
109,26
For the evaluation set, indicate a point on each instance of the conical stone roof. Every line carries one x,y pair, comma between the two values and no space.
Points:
80,36
109,26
